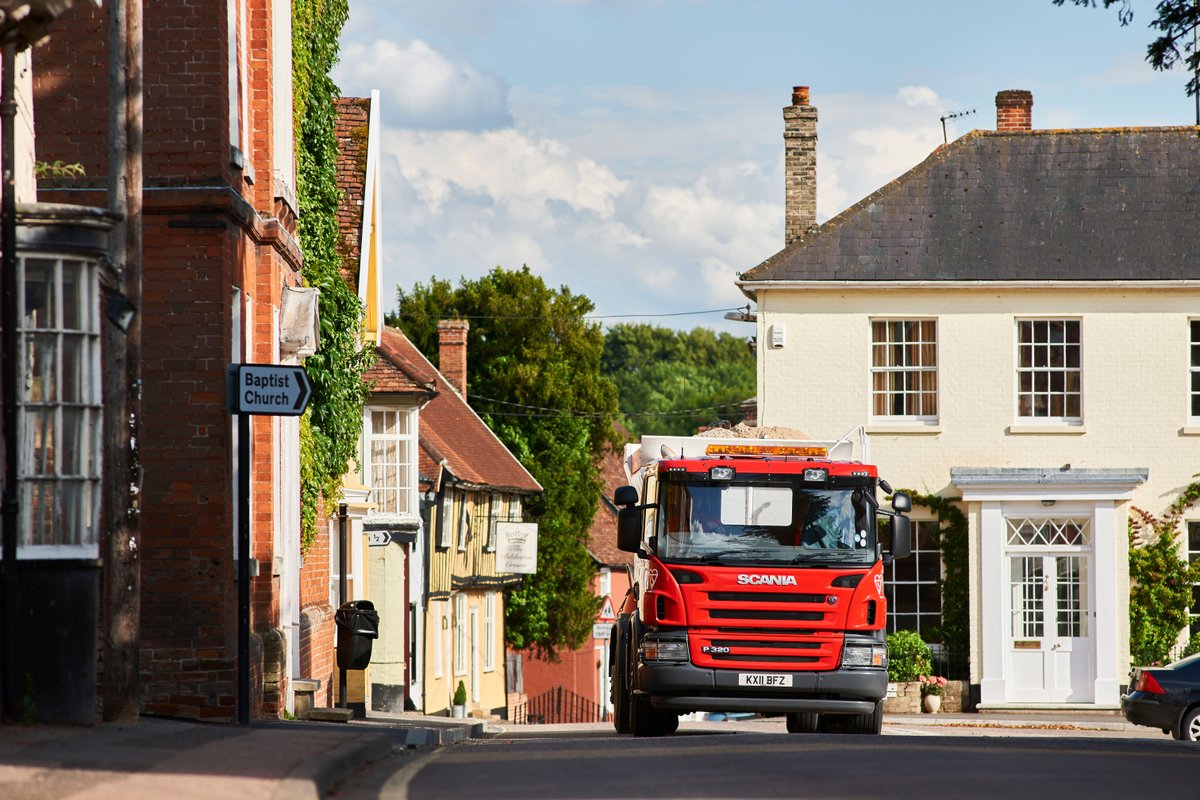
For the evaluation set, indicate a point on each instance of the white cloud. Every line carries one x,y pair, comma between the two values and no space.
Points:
422,88
501,167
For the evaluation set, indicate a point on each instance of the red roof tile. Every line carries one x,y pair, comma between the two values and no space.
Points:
450,430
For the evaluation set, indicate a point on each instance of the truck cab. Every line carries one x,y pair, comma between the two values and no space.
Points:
758,585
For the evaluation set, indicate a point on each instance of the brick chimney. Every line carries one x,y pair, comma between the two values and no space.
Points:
452,352
1014,110
800,166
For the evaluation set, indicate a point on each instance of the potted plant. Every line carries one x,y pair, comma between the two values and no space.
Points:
460,700
932,687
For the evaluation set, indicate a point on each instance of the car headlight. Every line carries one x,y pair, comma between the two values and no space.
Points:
654,649
865,655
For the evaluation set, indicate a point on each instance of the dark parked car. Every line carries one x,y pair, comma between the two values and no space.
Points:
1167,698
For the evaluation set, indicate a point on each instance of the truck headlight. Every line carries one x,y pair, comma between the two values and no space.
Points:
855,654
654,649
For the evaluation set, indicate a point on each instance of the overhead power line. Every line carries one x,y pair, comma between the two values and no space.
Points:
589,316
545,411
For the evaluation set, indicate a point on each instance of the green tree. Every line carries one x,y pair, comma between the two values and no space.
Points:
331,428
671,382
1176,22
534,377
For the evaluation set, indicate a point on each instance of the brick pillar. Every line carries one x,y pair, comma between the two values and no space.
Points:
452,352
1014,110
800,166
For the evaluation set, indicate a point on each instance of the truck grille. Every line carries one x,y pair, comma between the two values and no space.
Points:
763,629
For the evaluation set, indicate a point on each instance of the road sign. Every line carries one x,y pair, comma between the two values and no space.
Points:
601,630
606,613
272,389
378,538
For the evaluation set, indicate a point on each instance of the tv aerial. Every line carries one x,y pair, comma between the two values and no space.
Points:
954,115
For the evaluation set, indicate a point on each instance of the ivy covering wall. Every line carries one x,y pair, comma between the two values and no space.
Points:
331,428
952,524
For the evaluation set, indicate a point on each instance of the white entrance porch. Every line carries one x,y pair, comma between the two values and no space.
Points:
1050,548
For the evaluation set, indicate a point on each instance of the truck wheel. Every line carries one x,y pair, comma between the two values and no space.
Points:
619,672
646,720
802,722
871,723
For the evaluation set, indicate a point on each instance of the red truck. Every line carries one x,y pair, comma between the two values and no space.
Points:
758,585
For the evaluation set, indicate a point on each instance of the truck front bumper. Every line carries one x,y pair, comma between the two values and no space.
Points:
683,687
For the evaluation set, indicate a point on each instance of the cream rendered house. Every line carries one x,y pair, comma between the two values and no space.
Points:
1016,323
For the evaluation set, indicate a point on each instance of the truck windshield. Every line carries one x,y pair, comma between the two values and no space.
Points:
767,523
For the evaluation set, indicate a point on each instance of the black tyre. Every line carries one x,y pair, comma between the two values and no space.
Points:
870,724
802,722
831,723
646,720
619,673
1189,726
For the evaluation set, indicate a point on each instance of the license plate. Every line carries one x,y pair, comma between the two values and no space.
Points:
763,679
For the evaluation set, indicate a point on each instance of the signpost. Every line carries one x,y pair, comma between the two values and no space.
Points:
256,389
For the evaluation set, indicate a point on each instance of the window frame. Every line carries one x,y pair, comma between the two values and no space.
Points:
1064,420
1193,386
1192,545
406,447
892,584
73,535
888,395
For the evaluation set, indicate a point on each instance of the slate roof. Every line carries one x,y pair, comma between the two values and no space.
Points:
449,430
1064,205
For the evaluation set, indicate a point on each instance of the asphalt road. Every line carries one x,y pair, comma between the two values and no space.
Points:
758,759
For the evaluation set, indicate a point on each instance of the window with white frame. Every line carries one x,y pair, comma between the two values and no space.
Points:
445,523
914,599
460,634
1194,369
495,508
1193,529
464,522
1049,369
904,370
489,632
391,447
59,462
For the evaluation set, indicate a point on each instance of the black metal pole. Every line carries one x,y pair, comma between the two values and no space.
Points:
9,346
343,537
243,569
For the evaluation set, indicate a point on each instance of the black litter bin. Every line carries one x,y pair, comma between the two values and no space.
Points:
357,624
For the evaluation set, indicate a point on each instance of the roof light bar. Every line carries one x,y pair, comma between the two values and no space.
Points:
764,450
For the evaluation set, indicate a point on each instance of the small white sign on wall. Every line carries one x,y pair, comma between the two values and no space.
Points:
516,547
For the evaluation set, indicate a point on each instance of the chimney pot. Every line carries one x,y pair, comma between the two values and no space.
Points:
452,353
1014,110
799,95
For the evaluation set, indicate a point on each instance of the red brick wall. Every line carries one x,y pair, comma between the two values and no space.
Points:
201,240
316,627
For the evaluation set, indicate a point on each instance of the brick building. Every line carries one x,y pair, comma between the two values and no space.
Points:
220,256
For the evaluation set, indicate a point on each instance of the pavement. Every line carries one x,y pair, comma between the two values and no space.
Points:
277,760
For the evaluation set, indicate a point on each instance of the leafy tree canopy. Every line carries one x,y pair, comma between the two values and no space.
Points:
534,377
1176,22
671,382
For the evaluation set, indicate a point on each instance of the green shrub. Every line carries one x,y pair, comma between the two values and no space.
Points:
908,656
460,695
1193,647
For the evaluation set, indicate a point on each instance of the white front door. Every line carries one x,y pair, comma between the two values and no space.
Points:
1049,639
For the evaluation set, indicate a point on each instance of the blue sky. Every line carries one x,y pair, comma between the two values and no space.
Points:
632,149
